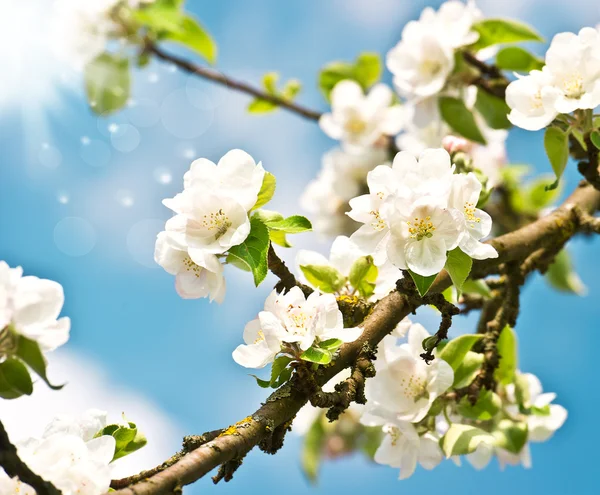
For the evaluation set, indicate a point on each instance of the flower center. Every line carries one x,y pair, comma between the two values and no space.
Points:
469,209
573,86
394,432
218,221
260,337
430,68
421,228
537,101
414,387
355,125
190,266
378,223
299,319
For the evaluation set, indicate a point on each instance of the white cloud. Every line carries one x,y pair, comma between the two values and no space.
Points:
88,386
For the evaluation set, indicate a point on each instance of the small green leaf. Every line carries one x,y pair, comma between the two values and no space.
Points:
468,369
487,406
279,238
595,137
29,352
522,393
294,224
127,438
556,143
460,118
15,380
510,435
324,277
366,71
363,275
267,190
455,350
316,355
537,197
507,350
496,31
562,276
458,266
422,283
463,439
192,35
253,251
494,110
107,83
262,383
312,450
259,106
515,58
477,287
289,92
278,366
331,344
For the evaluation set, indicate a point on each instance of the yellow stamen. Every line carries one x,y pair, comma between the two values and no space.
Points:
219,221
421,228
469,209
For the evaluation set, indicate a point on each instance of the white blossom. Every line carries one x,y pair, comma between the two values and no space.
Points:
453,22
31,306
476,223
531,101
198,273
344,253
360,120
67,455
292,318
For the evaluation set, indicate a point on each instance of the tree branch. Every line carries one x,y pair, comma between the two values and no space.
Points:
281,407
222,79
15,467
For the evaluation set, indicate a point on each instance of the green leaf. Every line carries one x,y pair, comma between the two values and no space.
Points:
562,276
556,143
331,344
159,17
192,35
371,440
458,266
262,383
294,224
537,197
363,275
477,287
463,439
456,349
468,369
316,355
29,352
507,350
258,106
324,277
460,118
522,393
312,450
267,190
496,31
366,71
595,137
515,58
107,83
278,366
279,238
494,110
422,283
487,406
510,435
127,438
15,380
289,92
253,251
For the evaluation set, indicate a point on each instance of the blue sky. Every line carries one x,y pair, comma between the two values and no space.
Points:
87,214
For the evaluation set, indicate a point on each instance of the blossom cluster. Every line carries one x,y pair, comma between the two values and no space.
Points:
211,216
423,66
418,210
569,81
30,307
72,454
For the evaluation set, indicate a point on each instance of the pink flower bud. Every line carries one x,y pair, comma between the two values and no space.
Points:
452,144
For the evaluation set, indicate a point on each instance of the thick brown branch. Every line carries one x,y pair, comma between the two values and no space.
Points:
15,467
220,78
284,403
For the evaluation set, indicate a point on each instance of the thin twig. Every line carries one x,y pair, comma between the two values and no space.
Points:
220,78
286,277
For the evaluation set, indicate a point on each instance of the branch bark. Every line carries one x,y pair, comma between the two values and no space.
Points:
14,466
281,407
222,79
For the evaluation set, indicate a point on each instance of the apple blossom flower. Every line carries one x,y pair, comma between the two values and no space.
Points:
30,306
573,64
67,455
360,120
292,318
405,386
198,273
453,22
342,177
476,223
531,100
344,253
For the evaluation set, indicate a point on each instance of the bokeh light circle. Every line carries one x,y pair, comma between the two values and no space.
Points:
74,236
141,239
